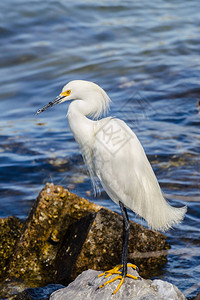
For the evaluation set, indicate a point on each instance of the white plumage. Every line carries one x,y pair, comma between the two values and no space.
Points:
113,153
127,176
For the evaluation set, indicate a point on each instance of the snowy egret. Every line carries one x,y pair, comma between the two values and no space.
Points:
113,153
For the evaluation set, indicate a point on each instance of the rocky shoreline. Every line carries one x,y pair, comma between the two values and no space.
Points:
65,235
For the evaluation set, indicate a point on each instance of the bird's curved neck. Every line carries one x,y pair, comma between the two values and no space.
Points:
79,108
80,125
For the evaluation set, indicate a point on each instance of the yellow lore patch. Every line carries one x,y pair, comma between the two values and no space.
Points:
66,93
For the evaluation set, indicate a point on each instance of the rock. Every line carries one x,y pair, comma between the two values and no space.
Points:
65,235
9,289
95,242
85,286
10,229
45,228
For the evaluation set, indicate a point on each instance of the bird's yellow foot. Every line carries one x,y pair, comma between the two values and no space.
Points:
116,271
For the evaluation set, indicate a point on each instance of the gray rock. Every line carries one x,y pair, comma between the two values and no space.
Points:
85,286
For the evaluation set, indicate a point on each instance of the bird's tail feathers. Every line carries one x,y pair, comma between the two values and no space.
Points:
166,217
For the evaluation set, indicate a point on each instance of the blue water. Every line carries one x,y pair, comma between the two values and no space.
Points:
146,56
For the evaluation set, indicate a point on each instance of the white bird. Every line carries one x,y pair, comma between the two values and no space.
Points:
113,153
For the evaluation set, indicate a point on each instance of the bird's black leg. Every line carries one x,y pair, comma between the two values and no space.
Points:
117,269
126,228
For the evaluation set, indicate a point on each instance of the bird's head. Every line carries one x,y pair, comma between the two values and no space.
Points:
82,90
65,95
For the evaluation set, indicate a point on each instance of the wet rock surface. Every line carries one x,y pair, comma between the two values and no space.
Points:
65,235
86,286
95,242
44,232
10,231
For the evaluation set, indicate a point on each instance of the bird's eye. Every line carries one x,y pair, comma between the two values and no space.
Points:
66,93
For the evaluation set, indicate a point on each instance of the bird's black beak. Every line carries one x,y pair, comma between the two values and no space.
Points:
50,104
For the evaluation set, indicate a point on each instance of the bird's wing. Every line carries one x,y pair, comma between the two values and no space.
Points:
126,174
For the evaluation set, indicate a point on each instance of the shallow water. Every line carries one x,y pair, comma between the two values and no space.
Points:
146,56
